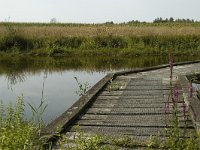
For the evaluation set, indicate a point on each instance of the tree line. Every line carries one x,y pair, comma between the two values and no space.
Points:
161,20
171,19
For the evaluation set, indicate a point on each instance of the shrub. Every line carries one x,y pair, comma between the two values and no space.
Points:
56,51
15,41
110,42
69,42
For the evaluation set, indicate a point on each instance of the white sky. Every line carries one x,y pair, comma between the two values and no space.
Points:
97,11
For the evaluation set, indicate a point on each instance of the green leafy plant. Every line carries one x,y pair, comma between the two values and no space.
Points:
15,132
38,111
114,86
83,87
19,133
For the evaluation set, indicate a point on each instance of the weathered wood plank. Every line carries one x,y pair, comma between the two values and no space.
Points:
133,123
70,136
130,97
131,88
127,111
122,91
132,117
123,131
133,102
132,105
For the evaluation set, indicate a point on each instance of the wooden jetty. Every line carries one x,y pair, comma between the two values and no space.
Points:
131,103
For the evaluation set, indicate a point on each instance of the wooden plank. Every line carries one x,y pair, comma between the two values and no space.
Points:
121,104
131,88
68,139
130,131
70,136
148,90
129,101
145,92
130,97
132,117
133,123
141,89
127,111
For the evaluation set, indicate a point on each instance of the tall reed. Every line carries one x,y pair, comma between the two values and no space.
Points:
63,39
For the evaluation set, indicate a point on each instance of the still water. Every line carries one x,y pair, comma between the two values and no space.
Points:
59,90
53,78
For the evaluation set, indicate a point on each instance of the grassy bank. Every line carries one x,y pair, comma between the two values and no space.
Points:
101,39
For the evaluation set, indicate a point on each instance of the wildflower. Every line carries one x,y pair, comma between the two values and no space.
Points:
171,61
166,108
175,93
190,90
195,115
171,64
184,109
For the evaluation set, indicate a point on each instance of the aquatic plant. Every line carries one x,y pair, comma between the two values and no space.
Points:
171,64
175,94
166,107
83,87
190,90
37,114
185,109
38,111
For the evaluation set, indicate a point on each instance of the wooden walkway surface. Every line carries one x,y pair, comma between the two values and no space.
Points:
133,105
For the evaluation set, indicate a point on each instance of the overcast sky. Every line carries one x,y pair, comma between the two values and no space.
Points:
97,11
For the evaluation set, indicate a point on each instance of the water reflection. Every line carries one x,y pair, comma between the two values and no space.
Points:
14,78
57,88
53,78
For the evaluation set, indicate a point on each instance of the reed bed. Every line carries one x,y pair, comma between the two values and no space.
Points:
104,30
66,39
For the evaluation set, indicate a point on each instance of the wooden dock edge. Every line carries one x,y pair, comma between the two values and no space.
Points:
192,102
60,124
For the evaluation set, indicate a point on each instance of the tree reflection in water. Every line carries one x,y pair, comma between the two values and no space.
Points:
14,78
